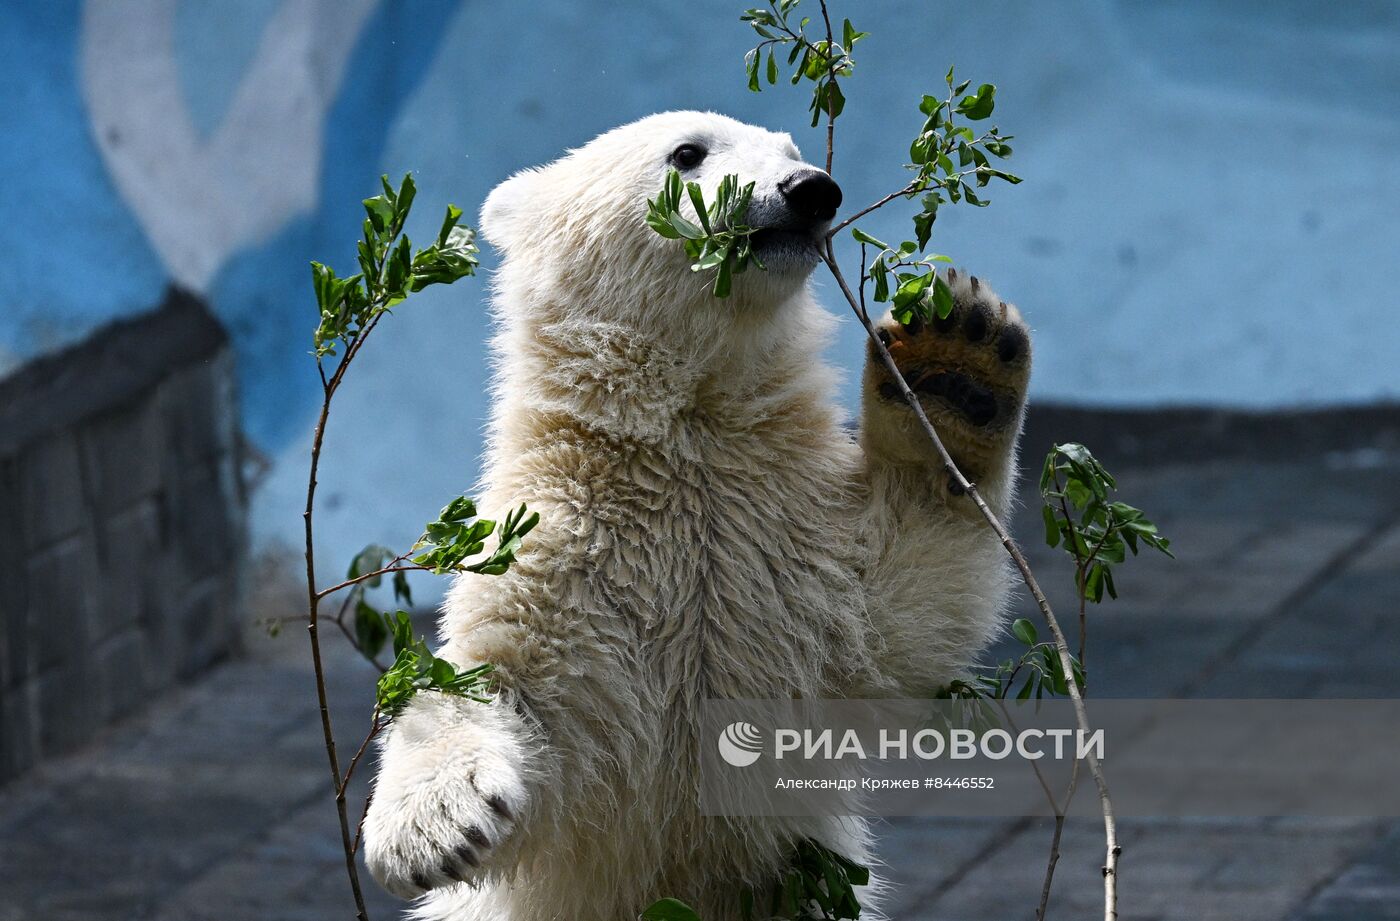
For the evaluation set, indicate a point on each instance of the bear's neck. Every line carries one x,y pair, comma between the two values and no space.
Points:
648,386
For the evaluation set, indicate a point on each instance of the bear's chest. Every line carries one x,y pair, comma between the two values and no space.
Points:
736,570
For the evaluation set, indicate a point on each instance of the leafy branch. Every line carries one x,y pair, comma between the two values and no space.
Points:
819,61
1097,533
416,669
350,308
1040,663
722,240
951,163
818,885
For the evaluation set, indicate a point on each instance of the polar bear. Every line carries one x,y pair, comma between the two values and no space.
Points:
710,528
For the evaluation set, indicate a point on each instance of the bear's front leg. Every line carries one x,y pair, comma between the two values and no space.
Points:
937,578
969,371
451,794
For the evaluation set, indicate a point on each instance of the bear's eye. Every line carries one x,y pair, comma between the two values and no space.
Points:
688,156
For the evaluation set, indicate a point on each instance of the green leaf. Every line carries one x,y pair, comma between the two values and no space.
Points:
372,558
942,298
697,198
1024,631
979,106
370,630
659,222
849,35
911,290
686,228
772,68
724,279
380,212
669,910
1052,525
864,237
404,201
402,593
881,274
448,222
711,260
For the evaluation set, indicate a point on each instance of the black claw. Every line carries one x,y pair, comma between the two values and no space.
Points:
975,284
1011,344
977,323
499,807
449,869
467,856
421,880
478,837
952,275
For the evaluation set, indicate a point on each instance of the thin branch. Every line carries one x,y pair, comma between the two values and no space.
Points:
1110,868
391,568
312,615
313,612
376,727
360,827
1060,812
1035,765
831,82
911,187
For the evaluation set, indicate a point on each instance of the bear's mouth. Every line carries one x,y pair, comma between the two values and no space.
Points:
782,244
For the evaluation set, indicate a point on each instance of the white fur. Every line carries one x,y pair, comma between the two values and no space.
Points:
708,529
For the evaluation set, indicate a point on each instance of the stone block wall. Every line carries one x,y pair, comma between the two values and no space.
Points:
121,525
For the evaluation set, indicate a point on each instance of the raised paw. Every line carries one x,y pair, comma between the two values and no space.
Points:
968,369
436,836
447,804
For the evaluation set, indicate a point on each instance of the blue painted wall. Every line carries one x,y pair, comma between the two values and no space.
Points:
1209,213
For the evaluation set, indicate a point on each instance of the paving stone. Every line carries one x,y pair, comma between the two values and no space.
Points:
231,821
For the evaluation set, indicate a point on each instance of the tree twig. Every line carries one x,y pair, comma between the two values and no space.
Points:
831,84
312,629
376,726
969,489
391,568
1060,812
911,187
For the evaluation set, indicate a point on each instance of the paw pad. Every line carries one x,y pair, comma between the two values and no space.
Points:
969,369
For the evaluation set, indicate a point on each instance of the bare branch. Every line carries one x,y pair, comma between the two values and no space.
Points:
313,602
393,567
911,187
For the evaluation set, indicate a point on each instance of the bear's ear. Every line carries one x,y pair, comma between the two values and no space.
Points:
506,208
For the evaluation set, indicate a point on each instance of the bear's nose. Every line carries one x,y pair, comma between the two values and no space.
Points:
812,194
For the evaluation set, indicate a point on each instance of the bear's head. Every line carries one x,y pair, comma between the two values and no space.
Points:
573,233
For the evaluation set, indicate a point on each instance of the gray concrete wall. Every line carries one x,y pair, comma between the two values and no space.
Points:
121,525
